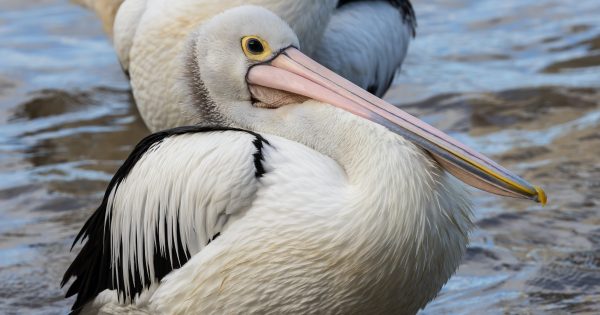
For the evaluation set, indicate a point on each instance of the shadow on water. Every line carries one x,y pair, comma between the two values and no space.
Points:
517,80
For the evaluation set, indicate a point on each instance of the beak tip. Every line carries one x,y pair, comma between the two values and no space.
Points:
541,196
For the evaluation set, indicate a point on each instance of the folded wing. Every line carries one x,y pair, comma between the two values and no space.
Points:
175,193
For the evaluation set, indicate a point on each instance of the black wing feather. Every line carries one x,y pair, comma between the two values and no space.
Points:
92,268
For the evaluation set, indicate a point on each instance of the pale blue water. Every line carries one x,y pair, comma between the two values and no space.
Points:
518,80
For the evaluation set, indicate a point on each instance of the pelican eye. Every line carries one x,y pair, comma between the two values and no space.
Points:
255,48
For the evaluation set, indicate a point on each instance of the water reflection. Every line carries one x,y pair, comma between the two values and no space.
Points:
63,135
65,145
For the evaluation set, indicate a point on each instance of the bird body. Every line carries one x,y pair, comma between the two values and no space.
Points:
309,235
343,242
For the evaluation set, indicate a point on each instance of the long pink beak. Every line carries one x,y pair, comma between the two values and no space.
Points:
294,72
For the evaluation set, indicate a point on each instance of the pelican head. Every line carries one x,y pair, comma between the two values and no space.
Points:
244,69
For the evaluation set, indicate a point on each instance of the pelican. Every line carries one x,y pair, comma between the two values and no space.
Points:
364,41
295,191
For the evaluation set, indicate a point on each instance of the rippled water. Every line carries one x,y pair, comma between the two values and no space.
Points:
518,80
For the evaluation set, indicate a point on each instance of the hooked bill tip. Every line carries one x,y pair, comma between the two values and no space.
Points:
541,195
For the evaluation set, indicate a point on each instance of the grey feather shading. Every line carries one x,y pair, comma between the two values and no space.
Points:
404,6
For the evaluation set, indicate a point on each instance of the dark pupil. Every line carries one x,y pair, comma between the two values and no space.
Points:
255,46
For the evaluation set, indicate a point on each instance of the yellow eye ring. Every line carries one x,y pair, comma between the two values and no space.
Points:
255,48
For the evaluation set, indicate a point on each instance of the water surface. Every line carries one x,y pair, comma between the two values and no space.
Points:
518,80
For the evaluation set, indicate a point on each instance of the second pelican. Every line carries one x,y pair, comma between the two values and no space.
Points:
364,41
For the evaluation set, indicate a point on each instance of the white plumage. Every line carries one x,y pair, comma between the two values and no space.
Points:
319,239
310,235
193,183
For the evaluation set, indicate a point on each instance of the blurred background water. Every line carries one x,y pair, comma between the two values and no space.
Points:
518,80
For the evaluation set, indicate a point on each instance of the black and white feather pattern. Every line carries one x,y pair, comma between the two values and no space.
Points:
169,199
